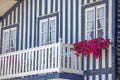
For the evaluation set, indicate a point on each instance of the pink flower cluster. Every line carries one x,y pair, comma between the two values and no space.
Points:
88,47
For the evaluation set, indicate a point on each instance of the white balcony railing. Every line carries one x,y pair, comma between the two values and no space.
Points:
57,57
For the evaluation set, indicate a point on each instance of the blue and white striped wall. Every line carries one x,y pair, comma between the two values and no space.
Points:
26,14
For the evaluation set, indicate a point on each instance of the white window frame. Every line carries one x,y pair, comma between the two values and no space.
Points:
9,31
95,8
40,23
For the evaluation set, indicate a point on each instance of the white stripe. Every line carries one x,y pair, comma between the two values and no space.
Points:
110,19
5,22
85,1
97,63
74,21
63,31
97,77
49,6
69,19
38,7
85,78
79,20
16,20
103,77
28,29
54,5
109,76
24,27
90,78
43,7
91,1
103,58
12,17
91,61
59,17
9,19
20,25
85,63
110,56
33,21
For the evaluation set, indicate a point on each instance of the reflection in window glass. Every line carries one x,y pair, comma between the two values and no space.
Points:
90,25
100,33
90,35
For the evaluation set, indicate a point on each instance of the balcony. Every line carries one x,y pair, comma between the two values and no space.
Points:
58,57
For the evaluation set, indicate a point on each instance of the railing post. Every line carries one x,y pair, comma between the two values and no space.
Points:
59,55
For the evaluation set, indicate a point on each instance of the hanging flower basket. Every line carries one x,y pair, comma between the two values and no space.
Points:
93,46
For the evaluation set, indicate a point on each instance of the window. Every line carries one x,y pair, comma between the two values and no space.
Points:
95,22
48,31
9,40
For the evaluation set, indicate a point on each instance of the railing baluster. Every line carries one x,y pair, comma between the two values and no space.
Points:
32,61
42,64
64,55
8,64
56,57
39,60
11,64
26,61
29,57
23,62
49,62
0,65
46,58
52,57
20,64
5,65
17,56
35,59
68,53
2,72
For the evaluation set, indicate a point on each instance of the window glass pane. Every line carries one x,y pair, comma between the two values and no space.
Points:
90,15
100,23
100,12
100,33
6,36
52,36
52,24
90,25
6,44
90,35
6,50
13,34
12,49
44,38
45,27
13,43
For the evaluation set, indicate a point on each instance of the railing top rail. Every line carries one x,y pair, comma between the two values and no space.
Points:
30,49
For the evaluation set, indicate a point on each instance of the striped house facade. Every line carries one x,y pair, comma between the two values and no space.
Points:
71,21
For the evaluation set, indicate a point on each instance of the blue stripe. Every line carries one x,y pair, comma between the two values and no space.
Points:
35,23
26,24
40,7
66,20
30,36
51,6
14,16
10,18
46,5
22,25
61,17
56,5
77,19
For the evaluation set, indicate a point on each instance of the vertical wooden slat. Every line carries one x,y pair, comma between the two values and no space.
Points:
23,62
56,57
39,60
11,64
2,65
8,66
45,58
42,64
72,63
68,57
49,58
32,61
26,58
63,57
29,62
52,57
5,65
75,62
17,63
20,64
36,59
14,60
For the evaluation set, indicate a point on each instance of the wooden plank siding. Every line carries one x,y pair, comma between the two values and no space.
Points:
70,27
